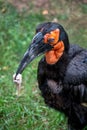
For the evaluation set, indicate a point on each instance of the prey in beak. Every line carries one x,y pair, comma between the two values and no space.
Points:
36,48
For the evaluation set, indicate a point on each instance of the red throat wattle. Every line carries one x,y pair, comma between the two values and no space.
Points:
58,47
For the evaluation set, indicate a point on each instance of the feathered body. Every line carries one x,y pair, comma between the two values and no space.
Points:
64,85
62,72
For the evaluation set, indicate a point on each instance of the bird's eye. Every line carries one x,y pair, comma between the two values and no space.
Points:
51,40
52,37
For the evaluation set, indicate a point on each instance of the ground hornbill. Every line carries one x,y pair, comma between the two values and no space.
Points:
62,72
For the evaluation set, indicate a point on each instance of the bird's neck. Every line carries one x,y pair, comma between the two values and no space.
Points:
55,54
56,71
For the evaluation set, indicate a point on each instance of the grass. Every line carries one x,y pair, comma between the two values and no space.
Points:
27,112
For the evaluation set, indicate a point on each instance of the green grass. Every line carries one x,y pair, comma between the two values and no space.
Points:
29,111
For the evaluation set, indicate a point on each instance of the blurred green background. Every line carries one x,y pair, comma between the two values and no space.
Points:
18,20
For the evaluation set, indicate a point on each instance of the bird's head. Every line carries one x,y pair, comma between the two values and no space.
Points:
50,39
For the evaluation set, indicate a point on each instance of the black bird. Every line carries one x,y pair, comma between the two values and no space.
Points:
62,72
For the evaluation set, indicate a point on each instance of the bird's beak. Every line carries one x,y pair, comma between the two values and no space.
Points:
36,48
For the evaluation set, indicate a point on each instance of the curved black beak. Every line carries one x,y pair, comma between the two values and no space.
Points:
36,48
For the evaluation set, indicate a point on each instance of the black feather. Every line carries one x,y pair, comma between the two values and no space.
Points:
64,84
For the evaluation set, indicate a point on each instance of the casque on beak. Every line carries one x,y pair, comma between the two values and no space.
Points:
36,48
